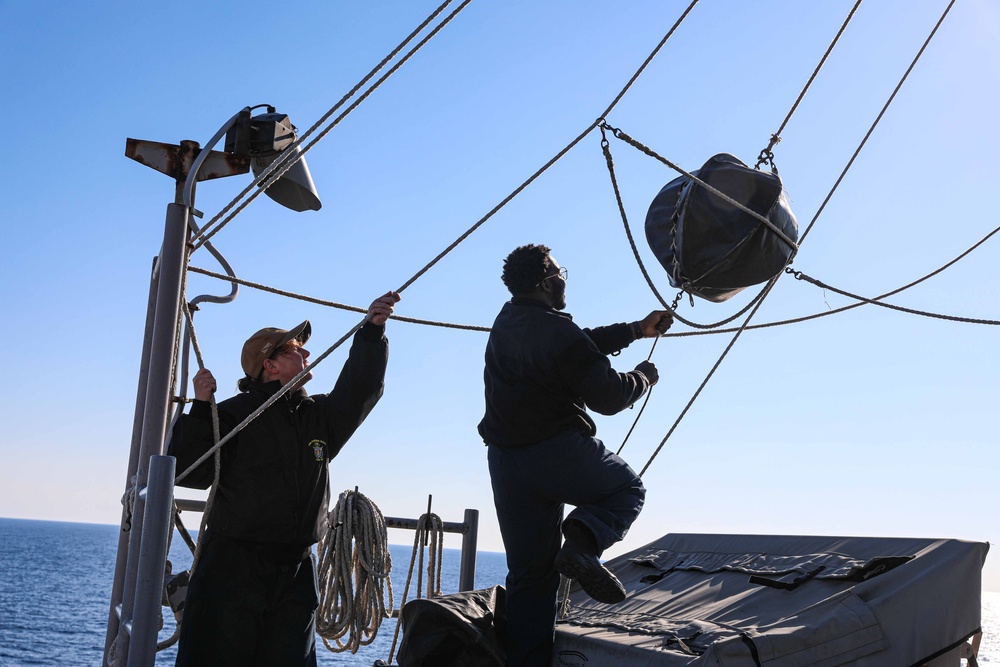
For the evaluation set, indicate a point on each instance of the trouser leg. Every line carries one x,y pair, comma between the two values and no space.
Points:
607,493
530,485
243,610
289,635
529,525
223,610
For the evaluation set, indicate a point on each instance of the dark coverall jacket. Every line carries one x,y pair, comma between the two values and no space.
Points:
272,500
542,374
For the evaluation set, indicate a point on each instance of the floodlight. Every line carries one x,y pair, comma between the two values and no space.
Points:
265,137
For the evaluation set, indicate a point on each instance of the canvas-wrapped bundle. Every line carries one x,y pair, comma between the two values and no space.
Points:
712,248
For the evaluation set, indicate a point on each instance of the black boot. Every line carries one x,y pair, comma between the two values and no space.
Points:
578,560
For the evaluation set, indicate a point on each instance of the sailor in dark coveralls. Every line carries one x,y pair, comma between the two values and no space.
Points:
253,594
542,373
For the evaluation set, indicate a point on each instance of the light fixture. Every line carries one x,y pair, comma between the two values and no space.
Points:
264,138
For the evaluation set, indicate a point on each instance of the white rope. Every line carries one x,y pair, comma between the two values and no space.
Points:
429,532
354,568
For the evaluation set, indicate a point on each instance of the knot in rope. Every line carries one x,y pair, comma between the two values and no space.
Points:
128,502
354,568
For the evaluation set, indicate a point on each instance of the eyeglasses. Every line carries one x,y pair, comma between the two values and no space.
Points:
286,350
562,273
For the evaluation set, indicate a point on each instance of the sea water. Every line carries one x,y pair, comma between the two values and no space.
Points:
55,592
55,588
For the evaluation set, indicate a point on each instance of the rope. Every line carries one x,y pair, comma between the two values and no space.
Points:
773,281
766,156
451,247
429,531
281,392
290,156
557,156
798,275
878,118
863,302
128,502
332,304
354,568
215,438
268,403
564,586
643,408
704,382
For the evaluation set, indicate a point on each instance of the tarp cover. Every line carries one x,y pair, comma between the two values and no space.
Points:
712,247
458,630
779,601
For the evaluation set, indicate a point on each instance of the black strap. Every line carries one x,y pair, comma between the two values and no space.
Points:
786,585
753,648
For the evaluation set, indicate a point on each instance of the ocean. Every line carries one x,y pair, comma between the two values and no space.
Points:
55,588
55,583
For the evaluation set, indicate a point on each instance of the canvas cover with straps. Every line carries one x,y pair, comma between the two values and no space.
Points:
711,248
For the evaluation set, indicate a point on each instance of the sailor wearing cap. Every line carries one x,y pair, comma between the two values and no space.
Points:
253,595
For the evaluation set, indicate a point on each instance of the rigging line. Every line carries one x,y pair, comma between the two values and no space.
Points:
606,147
704,382
842,309
877,119
808,228
798,275
641,409
281,392
776,137
333,304
558,155
269,402
217,463
678,334
289,157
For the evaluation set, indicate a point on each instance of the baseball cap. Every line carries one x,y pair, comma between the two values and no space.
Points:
262,345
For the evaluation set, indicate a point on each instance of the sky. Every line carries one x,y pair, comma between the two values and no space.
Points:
870,422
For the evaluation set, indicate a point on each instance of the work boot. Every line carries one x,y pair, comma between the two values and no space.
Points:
578,560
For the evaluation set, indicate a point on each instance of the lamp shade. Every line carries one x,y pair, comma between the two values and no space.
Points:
295,188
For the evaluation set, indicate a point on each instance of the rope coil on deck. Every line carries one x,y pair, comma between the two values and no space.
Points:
354,568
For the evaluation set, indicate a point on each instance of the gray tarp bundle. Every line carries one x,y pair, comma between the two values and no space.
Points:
780,601
712,248
458,630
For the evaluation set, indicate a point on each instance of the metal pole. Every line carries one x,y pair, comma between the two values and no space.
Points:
159,494
470,540
158,389
133,463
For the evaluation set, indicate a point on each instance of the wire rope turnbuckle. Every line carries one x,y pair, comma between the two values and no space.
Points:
767,155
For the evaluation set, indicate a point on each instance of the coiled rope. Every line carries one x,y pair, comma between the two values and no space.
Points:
429,533
354,568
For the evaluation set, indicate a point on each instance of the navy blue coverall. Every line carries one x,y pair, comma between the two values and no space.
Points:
542,373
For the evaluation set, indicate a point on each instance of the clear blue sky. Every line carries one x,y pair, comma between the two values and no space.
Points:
871,422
